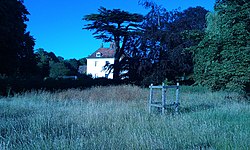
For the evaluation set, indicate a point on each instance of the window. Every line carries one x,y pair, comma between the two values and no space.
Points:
98,54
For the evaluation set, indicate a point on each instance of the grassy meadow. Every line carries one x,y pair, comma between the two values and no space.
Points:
117,117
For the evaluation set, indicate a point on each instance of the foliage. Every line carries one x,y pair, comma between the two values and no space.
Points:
83,61
44,59
16,44
222,58
54,66
116,117
114,26
159,52
58,70
72,65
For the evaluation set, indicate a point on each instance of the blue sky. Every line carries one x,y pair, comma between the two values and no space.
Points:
57,24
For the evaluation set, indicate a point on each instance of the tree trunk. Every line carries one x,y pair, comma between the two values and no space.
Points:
116,72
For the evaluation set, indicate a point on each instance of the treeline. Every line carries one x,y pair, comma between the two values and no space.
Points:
152,47
17,56
192,46
52,66
212,49
22,68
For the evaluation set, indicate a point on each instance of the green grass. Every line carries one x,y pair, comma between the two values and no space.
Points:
117,117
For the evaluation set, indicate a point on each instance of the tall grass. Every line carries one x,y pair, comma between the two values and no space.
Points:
116,117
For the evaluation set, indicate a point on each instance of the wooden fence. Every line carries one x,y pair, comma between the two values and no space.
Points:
163,103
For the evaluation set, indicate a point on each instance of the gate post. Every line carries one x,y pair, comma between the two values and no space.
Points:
150,98
163,98
177,98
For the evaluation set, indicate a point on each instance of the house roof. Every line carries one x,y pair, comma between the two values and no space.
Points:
104,53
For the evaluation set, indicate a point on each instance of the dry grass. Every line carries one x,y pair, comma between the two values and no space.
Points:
116,117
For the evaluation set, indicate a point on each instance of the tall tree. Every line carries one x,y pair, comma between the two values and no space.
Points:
166,36
114,25
222,58
16,45
187,29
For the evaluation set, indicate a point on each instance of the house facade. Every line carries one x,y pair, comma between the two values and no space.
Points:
99,59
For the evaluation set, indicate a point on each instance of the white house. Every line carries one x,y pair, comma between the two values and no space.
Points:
97,61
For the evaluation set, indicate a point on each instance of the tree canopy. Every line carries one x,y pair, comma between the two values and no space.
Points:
54,66
159,52
114,26
16,44
222,58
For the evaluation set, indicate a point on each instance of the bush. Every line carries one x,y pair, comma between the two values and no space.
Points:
10,86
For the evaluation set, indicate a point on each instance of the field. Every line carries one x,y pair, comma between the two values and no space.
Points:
117,117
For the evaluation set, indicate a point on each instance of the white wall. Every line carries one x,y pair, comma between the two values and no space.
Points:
95,67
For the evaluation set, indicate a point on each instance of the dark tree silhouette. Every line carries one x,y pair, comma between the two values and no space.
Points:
116,26
16,44
165,38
